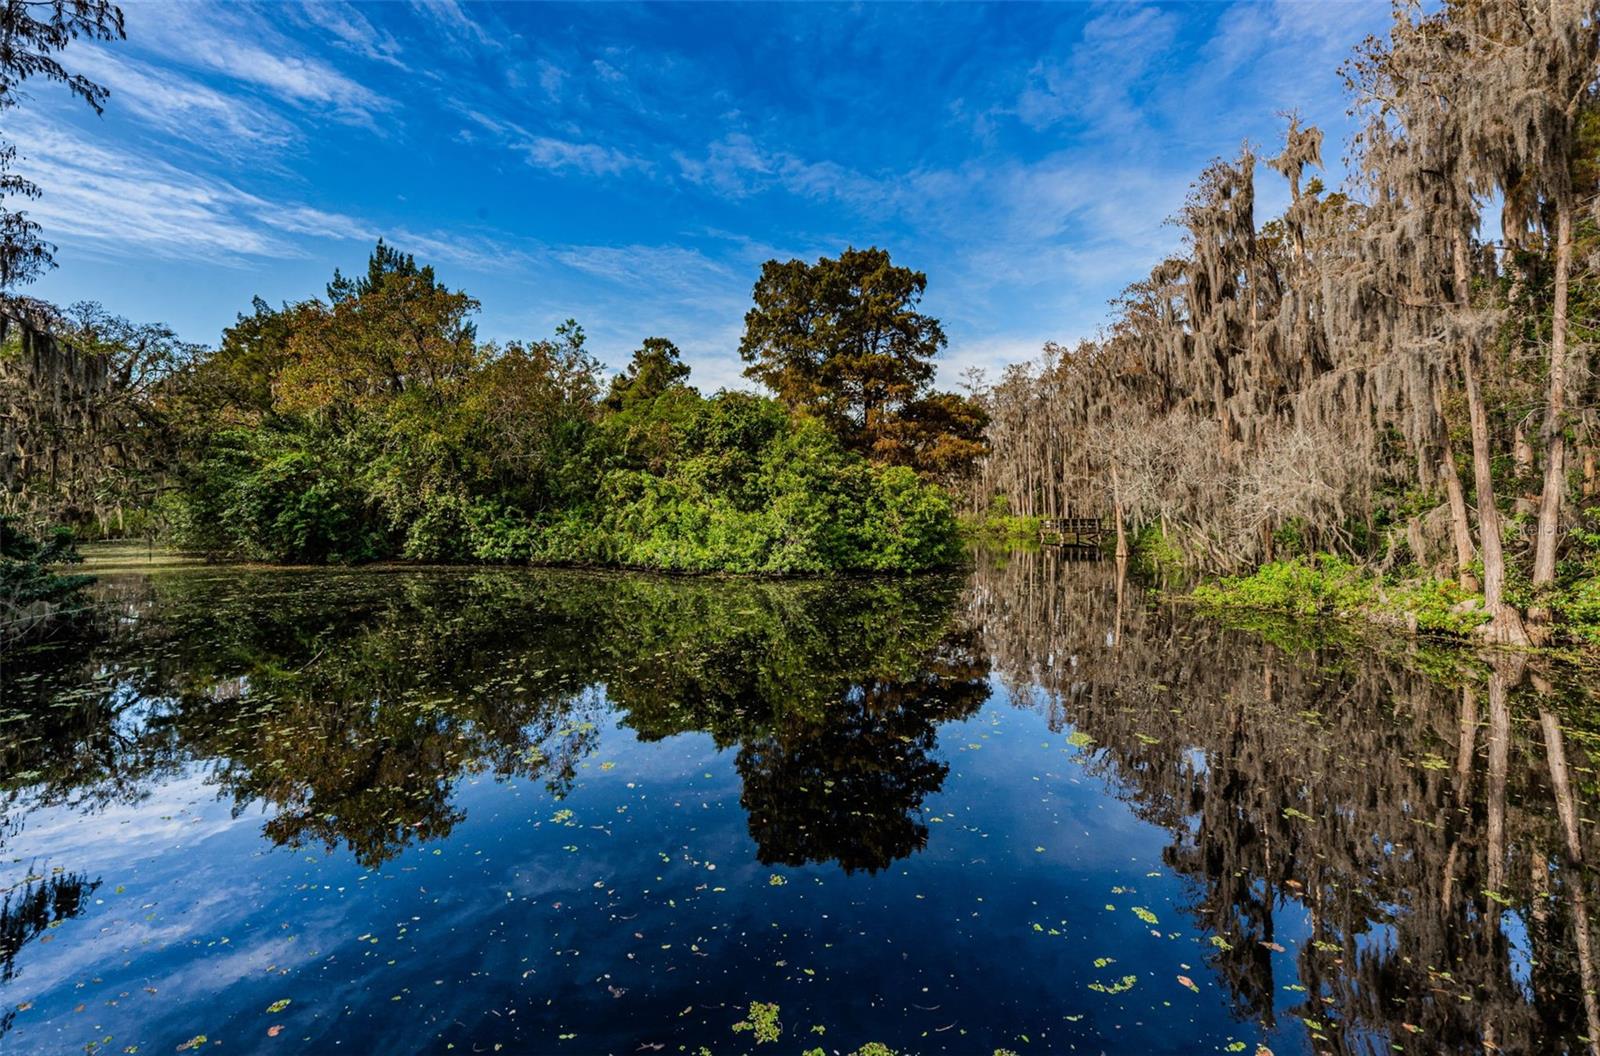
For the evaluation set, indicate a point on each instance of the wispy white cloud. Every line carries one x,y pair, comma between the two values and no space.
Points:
1094,84
345,24
547,152
125,205
241,46
676,268
122,204
183,107
451,17
552,153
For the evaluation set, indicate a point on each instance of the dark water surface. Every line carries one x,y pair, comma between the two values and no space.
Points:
520,811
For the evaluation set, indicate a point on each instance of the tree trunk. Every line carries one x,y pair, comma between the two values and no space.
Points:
1461,797
1499,759
1505,623
1521,451
1567,811
1555,433
1460,527
1116,507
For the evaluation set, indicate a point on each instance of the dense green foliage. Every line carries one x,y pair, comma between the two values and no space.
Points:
1326,585
36,600
373,424
996,525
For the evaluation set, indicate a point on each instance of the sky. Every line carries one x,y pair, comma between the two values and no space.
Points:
632,166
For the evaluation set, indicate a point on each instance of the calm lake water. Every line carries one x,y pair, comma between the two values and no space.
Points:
400,811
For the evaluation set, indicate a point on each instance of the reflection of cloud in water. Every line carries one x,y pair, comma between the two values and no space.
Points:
180,811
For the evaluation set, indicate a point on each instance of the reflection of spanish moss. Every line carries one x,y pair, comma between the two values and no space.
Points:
849,788
26,912
1418,821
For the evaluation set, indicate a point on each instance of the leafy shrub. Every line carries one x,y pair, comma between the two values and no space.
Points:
1326,585
998,526
1321,586
281,497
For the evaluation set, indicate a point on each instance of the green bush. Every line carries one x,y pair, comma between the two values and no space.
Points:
282,497
675,482
1577,606
1156,554
998,526
1324,585
1321,586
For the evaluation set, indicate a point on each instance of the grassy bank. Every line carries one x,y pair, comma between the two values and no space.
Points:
1324,586
998,527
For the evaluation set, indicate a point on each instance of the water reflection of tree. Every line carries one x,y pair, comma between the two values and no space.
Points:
29,909
352,703
1419,812
35,905
849,788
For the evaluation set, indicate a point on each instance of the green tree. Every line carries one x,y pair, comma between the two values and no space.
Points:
842,339
656,367
397,329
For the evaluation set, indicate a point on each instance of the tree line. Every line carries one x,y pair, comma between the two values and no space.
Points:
1370,373
373,422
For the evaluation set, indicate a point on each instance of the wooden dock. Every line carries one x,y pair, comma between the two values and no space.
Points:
1079,533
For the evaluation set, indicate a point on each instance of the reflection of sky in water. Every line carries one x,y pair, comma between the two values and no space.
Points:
642,918
1044,913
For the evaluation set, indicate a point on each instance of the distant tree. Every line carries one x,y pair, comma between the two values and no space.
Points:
395,330
234,384
843,340
655,368
31,33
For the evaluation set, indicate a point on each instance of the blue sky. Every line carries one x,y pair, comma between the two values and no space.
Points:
631,167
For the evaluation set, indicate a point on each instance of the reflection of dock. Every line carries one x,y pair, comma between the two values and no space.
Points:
1078,537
